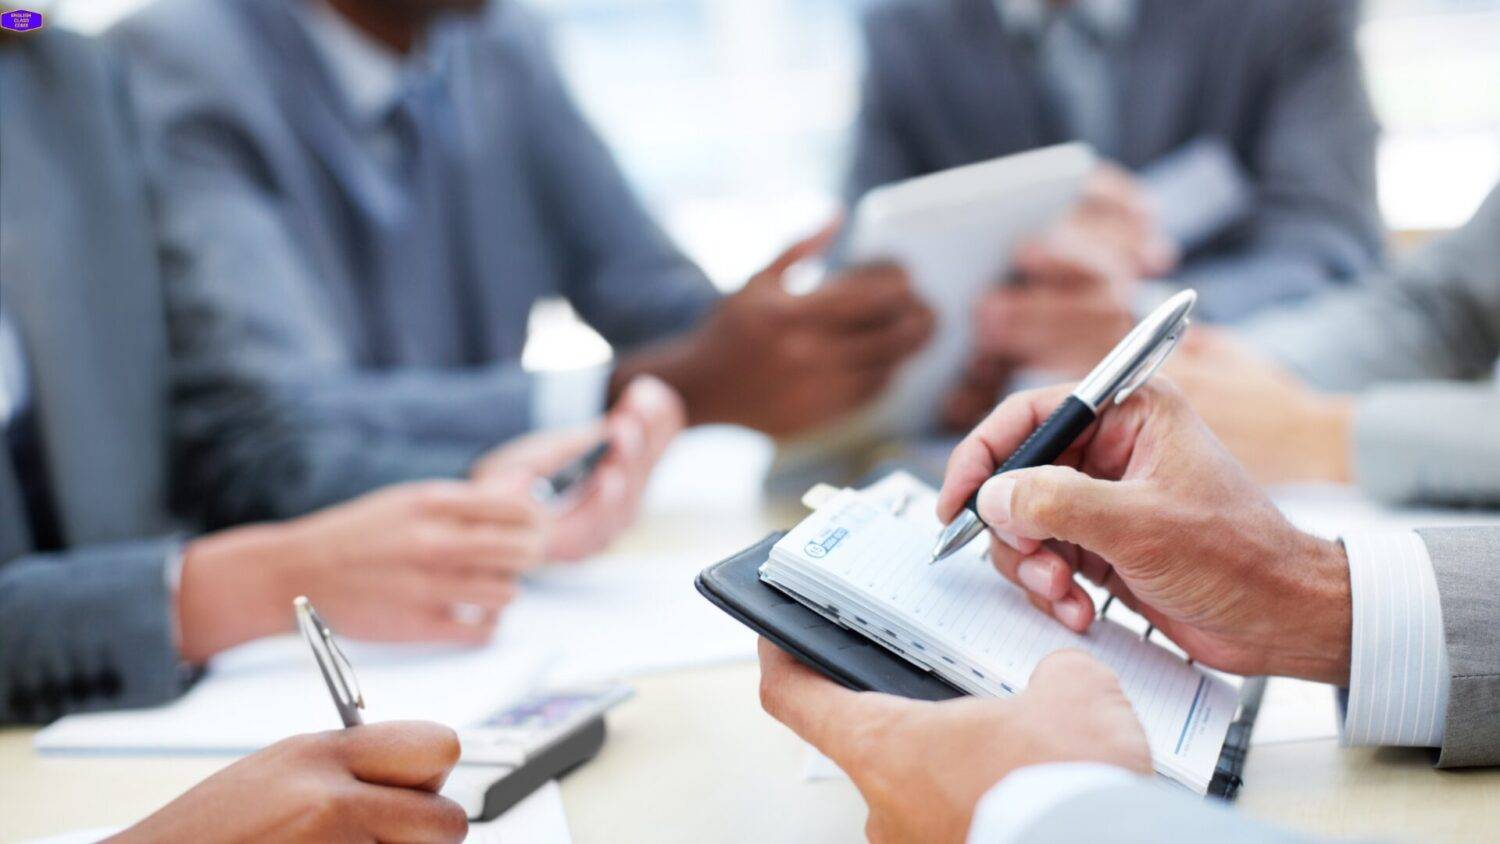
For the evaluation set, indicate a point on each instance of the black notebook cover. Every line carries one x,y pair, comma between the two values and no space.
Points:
854,661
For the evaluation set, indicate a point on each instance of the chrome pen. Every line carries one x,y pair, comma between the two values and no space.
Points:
1129,365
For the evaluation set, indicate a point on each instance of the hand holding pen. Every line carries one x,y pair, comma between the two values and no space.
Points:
595,476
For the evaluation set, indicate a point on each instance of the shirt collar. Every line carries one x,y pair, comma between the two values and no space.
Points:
370,76
1109,20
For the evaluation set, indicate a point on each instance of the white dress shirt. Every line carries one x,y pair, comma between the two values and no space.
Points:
372,79
14,388
1398,683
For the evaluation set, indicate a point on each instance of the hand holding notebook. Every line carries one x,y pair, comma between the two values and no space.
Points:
861,561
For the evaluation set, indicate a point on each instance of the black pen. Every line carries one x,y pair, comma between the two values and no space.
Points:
553,487
1129,365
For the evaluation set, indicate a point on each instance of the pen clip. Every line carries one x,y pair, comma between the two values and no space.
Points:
1149,366
345,682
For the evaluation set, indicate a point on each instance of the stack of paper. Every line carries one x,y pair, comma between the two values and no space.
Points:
862,560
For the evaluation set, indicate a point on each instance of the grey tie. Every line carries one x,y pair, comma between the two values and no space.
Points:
1073,62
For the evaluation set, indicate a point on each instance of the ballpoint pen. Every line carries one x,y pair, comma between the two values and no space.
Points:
1129,365
553,487
337,672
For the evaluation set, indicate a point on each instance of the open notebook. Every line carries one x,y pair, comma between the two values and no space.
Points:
861,560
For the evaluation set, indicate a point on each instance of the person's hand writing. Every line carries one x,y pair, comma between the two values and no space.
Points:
432,561
784,363
1149,505
921,767
1278,427
373,783
643,422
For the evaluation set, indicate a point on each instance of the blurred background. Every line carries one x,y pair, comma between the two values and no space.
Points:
732,116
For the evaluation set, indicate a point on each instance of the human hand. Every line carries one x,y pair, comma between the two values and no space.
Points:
1149,505
643,422
921,767
1068,303
1279,428
433,561
784,363
1116,211
377,782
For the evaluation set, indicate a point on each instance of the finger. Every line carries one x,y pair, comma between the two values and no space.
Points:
987,446
400,815
1072,672
661,410
815,244
870,295
814,707
484,548
496,503
886,345
407,754
1059,502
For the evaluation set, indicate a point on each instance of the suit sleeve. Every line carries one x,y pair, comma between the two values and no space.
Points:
273,416
1314,221
87,630
621,272
1466,562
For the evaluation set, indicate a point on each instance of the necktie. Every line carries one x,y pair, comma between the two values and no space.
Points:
1073,63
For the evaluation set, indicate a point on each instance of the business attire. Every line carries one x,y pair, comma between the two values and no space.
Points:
1248,122
85,592
1424,672
1419,347
363,235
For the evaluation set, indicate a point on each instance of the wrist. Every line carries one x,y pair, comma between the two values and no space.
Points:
1317,625
228,593
686,364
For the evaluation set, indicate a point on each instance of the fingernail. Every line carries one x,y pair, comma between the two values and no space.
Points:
631,437
994,501
1072,613
1036,576
1007,537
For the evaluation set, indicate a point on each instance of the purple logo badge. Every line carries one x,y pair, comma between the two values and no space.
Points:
20,20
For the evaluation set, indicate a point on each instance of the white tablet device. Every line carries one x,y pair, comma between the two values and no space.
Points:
954,232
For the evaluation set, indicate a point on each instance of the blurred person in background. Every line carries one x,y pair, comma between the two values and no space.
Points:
1239,138
1390,385
361,201
105,600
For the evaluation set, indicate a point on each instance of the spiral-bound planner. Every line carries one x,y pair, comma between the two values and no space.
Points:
861,561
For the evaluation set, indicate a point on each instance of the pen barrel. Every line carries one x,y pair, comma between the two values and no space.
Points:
1048,441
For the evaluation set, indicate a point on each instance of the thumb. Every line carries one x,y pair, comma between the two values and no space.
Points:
1072,671
814,244
1058,502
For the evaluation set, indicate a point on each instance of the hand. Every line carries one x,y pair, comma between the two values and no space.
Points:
1149,505
1117,212
643,422
395,565
373,783
922,767
974,396
1067,306
1281,430
784,363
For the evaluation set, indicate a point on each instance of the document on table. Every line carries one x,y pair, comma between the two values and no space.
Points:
614,617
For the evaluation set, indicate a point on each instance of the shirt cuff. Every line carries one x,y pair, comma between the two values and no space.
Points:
1024,797
568,398
1398,668
1198,191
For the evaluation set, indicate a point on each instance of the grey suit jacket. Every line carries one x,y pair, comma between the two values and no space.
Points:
1420,348
88,627
288,399
1144,813
1278,81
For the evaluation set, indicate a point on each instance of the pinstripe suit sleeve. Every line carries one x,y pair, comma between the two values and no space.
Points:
1466,562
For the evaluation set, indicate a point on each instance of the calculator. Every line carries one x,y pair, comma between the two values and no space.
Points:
522,747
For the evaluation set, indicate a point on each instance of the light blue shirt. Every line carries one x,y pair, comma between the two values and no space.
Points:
15,388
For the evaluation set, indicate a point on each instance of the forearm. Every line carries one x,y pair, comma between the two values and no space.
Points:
87,630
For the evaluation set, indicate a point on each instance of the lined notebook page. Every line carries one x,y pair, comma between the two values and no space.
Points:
961,618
